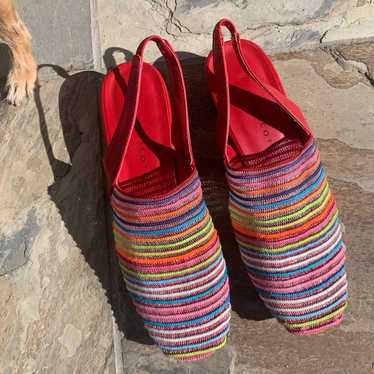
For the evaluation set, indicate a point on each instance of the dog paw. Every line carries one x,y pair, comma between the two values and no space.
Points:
21,82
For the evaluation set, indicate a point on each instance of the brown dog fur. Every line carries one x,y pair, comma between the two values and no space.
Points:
23,74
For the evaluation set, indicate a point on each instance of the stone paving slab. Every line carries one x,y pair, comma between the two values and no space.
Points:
277,25
61,31
54,315
77,34
60,298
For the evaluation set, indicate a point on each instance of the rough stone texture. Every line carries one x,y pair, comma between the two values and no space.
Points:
57,314
361,53
75,34
15,248
61,31
188,24
54,317
353,120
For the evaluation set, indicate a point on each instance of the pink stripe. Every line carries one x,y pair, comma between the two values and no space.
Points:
249,188
146,210
196,329
310,307
173,316
340,283
175,267
185,309
182,286
304,281
273,243
309,331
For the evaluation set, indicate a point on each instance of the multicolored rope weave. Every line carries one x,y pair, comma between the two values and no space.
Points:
289,234
173,267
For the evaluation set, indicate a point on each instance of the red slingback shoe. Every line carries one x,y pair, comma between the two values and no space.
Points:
283,213
165,240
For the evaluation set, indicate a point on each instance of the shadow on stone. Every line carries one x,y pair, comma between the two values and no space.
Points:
78,190
109,59
5,64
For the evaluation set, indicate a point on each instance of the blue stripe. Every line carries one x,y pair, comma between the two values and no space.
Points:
198,217
292,199
298,187
309,291
196,345
214,288
180,217
203,318
329,233
322,260
312,314
175,279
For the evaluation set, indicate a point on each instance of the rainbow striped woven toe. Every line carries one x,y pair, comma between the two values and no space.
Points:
289,234
173,266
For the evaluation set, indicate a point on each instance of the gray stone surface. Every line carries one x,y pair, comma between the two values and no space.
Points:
15,247
61,31
55,316
57,308
78,34
275,25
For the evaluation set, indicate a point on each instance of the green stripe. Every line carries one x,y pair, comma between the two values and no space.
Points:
289,224
170,274
152,254
197,353
316,321
293,245
128,244
269,222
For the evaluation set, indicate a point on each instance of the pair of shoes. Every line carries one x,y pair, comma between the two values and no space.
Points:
282,211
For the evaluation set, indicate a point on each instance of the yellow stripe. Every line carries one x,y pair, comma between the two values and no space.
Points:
325,191
316,321
176,236
162,216
165,253
290,224
179,272
293,245
197,353
128,244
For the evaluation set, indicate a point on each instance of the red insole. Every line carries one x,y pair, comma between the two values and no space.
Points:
256,120
150,144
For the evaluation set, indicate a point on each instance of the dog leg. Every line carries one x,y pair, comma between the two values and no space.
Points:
22,77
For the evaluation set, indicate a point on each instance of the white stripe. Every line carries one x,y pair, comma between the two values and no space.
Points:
326,247
180,285
308,307
192,337
308,298
192,328
178,294
332,238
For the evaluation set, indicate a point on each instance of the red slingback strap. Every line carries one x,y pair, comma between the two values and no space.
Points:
222,81
116,151
220,70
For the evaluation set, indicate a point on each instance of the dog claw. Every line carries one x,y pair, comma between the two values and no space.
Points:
20,85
